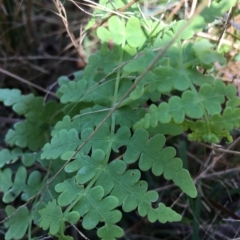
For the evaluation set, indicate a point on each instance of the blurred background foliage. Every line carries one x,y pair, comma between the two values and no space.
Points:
35,46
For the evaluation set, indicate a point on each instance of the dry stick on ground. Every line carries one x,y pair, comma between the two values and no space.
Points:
27,82
224,152
193,7
9,120
49,57
175,10
79,232
215,38
63,15
219,149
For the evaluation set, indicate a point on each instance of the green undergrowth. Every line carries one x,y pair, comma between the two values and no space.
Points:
71,159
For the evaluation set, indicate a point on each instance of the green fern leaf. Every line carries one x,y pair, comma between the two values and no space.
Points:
5,179
212,97
34,184
134,34
168,129
52,218
13,97
69,190
228,120
27,134
217,127
17,186
73,91
198,78
87,167
91,206
68,141
130,192
81,91
39,112
99,63
28,159
118,191
153,156
94,208
141,63
116,31
65,141
110,232
32,107
119,34
162,213
206,55
137,145
91,117
72,217
33,132
190,104
7,156
18,223
169,78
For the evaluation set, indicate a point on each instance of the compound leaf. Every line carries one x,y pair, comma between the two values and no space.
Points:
130,192
91,117
153,156
190,104
69,141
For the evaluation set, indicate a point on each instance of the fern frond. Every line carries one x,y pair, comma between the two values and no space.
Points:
191,104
